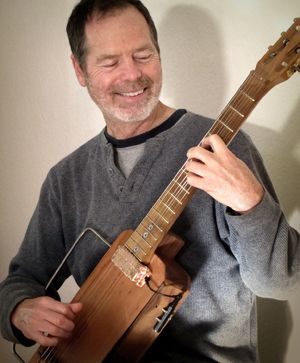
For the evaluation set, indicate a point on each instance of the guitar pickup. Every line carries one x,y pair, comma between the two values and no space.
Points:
167,314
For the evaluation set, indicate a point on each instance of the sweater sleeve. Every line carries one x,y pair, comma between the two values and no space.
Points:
38,257
266,247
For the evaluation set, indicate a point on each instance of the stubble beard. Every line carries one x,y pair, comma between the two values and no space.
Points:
135,113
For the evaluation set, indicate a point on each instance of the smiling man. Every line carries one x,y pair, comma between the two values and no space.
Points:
122,72
238,242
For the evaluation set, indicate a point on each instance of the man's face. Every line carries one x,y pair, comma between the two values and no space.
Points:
122,66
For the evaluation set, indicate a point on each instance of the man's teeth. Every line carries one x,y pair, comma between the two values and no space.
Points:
132,94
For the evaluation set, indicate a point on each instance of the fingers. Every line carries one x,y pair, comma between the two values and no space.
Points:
58,307
76,307
204,159
215,169
36,316
211,144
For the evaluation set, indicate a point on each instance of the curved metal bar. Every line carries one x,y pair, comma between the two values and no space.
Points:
14,350
88,229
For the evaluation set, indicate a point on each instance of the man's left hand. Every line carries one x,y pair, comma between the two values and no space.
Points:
216,170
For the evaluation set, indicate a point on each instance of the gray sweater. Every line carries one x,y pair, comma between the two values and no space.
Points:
230,258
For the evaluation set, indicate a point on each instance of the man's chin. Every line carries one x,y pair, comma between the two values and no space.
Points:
132,117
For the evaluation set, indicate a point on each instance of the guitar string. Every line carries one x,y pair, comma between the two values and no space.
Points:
55,354
227,114
50,354
238,101
230,115
183,188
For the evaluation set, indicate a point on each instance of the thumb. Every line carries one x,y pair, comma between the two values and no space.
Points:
76,307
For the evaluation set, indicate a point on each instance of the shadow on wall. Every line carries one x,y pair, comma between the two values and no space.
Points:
279,151
189,39
188,35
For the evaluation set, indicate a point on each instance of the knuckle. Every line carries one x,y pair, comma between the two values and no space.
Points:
43,300
65,309
60,320
190,152
56,331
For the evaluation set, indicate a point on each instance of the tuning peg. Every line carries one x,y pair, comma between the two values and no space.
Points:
284,64
298,28
293,70
285,42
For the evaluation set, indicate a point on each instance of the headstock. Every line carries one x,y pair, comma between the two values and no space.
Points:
283,58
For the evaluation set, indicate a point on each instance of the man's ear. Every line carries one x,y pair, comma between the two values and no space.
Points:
78,71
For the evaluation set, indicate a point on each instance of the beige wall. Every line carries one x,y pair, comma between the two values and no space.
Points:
208,48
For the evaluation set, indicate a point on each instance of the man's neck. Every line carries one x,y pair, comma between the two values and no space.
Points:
123,130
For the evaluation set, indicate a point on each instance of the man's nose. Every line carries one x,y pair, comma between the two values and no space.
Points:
130,70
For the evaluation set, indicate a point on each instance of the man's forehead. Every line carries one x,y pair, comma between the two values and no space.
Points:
113,16
122,24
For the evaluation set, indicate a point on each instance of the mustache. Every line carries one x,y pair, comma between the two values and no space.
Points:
132,86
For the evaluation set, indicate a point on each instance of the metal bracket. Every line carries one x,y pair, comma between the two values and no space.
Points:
167,314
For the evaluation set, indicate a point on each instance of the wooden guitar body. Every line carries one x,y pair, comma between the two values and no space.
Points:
118,317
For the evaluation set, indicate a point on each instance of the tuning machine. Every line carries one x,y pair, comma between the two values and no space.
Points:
295,68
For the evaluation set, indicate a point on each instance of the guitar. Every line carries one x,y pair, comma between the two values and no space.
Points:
139,268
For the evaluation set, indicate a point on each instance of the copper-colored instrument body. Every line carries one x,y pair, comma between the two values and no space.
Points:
118,317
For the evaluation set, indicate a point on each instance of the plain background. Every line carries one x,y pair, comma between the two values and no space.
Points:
208,49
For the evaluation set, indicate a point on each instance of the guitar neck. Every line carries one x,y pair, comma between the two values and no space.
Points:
280,62
153,228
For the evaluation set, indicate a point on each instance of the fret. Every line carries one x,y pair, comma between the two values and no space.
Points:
236,111
154,224
144,235
186,191
247,95
227,127
136,248
148,229
166,205
177,190
139,240
140,247
181,176
173,196
160,215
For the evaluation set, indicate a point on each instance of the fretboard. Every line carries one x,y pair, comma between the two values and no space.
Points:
153,228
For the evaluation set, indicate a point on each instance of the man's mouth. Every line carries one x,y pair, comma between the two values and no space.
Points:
132,94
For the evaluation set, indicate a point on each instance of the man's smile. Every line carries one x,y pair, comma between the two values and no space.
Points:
132,94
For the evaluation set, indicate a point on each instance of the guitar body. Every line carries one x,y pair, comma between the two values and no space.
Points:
118,317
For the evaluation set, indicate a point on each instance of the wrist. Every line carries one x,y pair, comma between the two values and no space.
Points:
256,197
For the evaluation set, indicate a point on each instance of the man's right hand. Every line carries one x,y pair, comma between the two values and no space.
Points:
45,320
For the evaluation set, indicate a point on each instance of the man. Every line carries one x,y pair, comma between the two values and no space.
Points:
238,243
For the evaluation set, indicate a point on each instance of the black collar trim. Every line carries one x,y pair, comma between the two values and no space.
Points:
139,139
